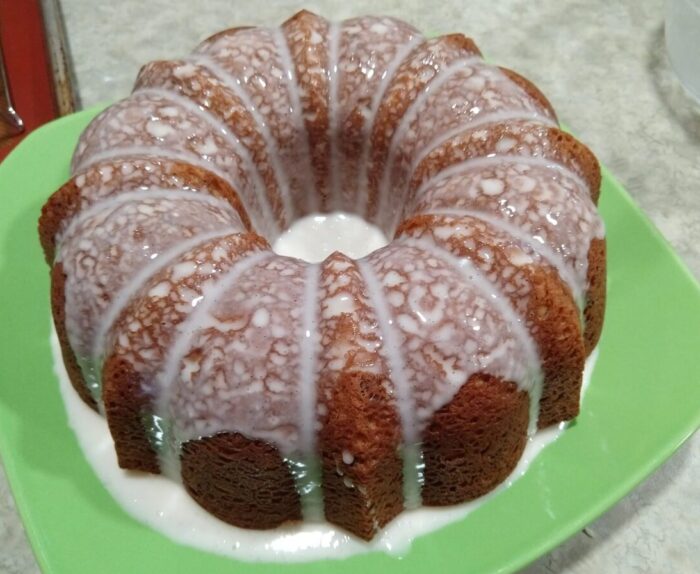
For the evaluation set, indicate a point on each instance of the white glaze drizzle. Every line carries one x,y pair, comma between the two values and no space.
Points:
539,247
150,152
310,490
129,196
169,455
411,451
334,32
389,74
259,189
296,109
123,296
399,133
235,85
479,121
84,159
491,291
494,160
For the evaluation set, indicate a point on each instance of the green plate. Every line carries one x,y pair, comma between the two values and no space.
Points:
644,401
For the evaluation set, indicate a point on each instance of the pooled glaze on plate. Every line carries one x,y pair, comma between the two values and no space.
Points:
164,505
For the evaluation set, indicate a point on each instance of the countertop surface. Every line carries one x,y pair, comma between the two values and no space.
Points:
605,70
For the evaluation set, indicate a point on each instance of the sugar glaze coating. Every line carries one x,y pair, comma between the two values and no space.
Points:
162,504
198,342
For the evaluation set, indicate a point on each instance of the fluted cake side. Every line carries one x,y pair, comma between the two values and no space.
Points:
279,390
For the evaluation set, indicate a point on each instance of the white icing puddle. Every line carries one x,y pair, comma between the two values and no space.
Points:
316,236
164,505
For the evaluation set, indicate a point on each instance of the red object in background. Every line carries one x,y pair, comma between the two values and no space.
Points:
27,66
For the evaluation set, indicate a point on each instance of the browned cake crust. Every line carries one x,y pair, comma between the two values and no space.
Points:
474,442
360,436
58,310
68,199
241,481
574,153
550,314
210,94
128,394
594,311
401,94
127,406
555,324
558,145
311,62
361,420
530,89
224,33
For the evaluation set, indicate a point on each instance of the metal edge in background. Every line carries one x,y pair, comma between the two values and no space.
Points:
64,83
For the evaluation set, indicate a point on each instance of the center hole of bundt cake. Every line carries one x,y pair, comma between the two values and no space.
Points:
316,236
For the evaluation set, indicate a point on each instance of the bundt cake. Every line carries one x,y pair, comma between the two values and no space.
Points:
278,390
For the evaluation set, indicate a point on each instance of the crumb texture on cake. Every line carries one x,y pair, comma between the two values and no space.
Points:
278,390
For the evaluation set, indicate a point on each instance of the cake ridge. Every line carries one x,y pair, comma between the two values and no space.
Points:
135,196
432,86
183,340
311,498
457,168
489,289
392,69
307,36
549,255
517,137
137,281
290,77
233,84
151,151
480,121
334,37
411,452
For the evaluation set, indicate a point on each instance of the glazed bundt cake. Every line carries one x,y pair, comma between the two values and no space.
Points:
279,390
